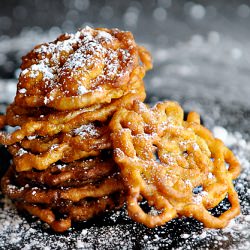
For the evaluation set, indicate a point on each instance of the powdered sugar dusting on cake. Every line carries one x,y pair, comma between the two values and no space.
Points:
197,198
61,166
210,176
21,152
88,56
16,231
86,130
41,67
22,91
82,90
104,35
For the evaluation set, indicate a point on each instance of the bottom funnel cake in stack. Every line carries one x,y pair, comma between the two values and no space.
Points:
75,191
86,143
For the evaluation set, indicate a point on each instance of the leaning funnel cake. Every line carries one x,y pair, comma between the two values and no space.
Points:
68,90
176,165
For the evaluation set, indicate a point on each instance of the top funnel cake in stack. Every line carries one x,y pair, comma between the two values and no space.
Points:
67,92
93,66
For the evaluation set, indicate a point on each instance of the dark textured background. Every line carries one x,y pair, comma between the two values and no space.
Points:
201,57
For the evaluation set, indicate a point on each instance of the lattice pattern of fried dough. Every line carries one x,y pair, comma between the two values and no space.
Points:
164,158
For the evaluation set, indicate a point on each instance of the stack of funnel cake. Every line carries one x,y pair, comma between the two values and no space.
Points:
87,143
68,90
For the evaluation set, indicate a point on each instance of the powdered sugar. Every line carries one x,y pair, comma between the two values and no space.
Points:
86,58
31,137
48,99
22,91
197,198
188,183
33,74
210,176
86,130
104,35
59,166
53,147
41,67
21,152
82,90
15,230
195,146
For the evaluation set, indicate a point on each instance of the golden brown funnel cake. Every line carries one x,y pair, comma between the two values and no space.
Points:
163,158
78,70
76,191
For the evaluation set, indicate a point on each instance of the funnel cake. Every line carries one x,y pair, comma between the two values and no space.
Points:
64,193
78,70
39,153
164,159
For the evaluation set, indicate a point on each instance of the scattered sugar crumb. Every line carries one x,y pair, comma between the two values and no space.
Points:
210,176
82,90
22,91
32,137
21,152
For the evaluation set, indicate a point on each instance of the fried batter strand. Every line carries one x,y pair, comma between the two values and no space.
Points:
43,195
71,174
83,211
40,153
